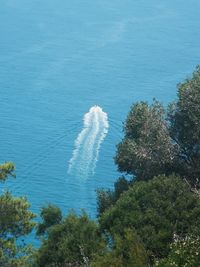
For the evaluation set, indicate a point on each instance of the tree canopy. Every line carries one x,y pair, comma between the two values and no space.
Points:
15,223
75,241
184,126
147,149
50,216
155,210
126,251
157,141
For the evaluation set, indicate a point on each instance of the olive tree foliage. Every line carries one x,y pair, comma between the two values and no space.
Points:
157,142
155,210
15,222
147,149
184,126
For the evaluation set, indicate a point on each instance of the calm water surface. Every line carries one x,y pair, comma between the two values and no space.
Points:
60,58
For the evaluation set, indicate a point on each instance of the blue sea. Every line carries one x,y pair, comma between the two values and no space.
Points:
69,72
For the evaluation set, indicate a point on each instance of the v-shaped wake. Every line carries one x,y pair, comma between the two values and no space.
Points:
88,143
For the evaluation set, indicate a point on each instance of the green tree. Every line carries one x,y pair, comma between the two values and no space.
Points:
184,126
50,216
76,240
15,223
157,142
6,169
107,198
155,210
127,250
147,149
183,252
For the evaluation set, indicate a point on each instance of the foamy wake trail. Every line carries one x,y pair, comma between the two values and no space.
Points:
88,143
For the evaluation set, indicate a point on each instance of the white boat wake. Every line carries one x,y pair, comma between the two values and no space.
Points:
87,145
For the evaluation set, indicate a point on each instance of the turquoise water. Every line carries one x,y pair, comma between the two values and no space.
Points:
60,58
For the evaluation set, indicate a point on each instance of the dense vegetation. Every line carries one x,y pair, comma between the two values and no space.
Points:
15,222
151,219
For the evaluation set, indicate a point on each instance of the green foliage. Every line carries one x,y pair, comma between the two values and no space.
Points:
6,169
155,210
50,215
107,198
76,241
183,253
16,219
127,251
13,255
184,118
156,143
147,149
15,222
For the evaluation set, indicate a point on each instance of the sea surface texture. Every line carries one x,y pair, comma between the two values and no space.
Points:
69,72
